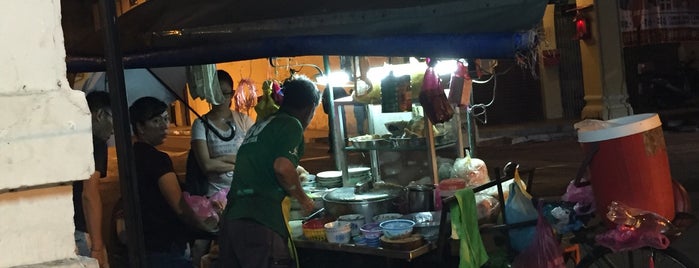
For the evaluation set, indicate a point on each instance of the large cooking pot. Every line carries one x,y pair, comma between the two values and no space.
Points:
382,198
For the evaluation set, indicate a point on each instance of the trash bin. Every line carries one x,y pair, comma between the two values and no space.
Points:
631,164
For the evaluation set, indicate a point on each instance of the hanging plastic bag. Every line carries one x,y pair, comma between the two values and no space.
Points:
519,208
544,251
473,170
245,96
432,97
266,105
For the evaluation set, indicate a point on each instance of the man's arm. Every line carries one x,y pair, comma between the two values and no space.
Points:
288,178
92,205
170,188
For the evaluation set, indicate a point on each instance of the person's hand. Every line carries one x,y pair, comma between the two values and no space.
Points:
218,206
308,206
101,256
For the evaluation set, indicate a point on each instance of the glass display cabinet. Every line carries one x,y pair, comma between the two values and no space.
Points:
397,147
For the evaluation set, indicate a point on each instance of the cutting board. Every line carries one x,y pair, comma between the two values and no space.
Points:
409,243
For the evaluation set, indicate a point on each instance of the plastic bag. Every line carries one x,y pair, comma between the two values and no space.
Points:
582,196
202,208
544,251
245,96
636,228
519,208
432,97
627,238
266,106
473,170
220,197
487,208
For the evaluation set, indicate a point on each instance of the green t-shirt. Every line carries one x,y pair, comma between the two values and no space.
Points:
255,192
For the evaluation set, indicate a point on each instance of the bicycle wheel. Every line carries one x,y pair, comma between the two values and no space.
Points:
602,257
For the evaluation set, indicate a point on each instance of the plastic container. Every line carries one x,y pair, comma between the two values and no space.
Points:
338,232
296,228
397,229
449,186
314,230
630,165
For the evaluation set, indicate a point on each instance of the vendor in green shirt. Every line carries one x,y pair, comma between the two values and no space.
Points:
254,230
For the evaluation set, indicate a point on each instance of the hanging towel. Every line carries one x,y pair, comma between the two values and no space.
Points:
464,218
203,83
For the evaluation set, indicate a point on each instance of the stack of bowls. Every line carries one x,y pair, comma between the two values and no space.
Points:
372,234
358,174
329,179
338,232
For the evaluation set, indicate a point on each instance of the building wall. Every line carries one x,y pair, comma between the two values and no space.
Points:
45,137
549,74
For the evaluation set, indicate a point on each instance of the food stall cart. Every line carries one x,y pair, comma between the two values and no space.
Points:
161,33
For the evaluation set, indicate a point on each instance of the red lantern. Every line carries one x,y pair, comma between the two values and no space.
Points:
582,29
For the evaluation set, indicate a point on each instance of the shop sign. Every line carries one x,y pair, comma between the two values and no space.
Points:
646,22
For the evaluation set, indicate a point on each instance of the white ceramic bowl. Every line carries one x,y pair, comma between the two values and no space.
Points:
397,229
338,232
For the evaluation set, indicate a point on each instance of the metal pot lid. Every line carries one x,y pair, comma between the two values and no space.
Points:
346,194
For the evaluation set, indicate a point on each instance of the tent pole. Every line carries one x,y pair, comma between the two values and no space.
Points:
122,132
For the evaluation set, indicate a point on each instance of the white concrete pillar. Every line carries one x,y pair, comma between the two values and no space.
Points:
45,138
606,95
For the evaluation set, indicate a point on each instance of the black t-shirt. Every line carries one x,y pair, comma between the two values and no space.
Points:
162,229
100,156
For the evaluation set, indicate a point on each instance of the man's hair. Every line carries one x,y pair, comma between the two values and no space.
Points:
299,93
145,109
98,100
223,76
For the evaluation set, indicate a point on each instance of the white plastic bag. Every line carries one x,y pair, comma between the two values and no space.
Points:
473,170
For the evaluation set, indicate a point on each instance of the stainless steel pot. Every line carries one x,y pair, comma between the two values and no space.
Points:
420,197
378,200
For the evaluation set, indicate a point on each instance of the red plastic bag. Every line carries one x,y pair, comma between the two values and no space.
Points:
433,99
544,251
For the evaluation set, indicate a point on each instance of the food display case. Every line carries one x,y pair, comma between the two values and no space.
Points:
397,146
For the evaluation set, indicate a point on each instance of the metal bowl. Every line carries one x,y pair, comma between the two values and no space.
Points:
409,142
426,223
371,144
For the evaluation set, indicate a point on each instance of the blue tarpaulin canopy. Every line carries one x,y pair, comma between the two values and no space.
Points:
161,33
